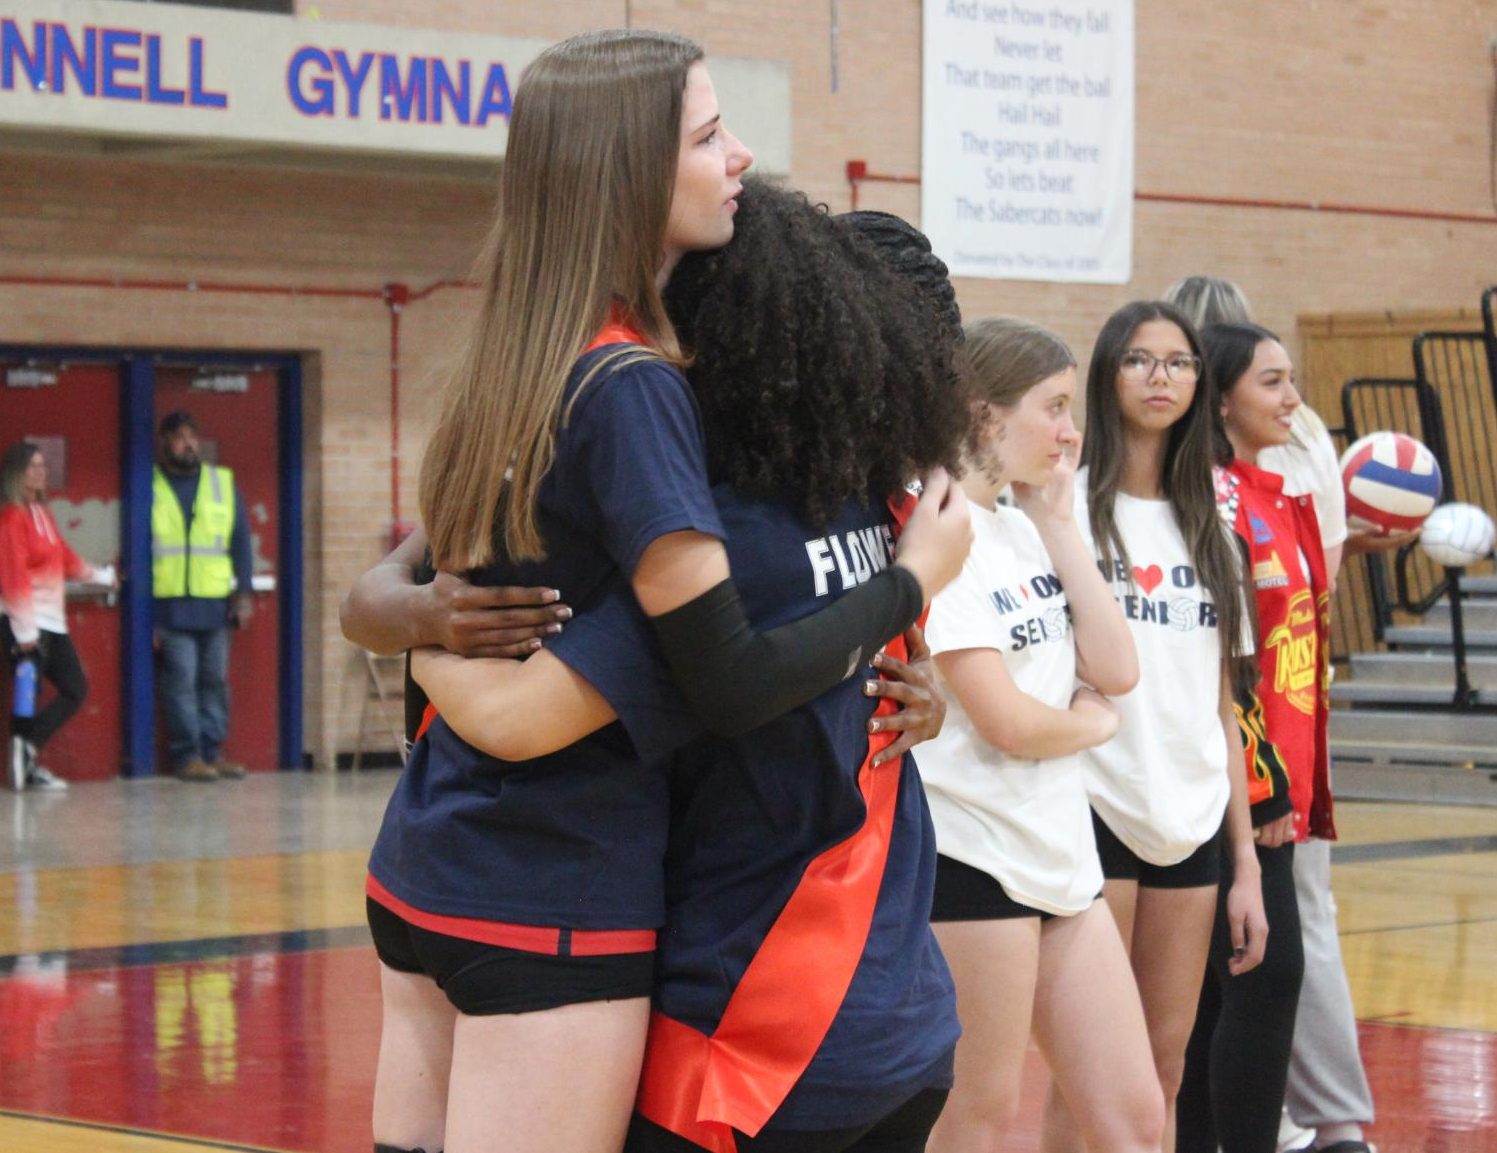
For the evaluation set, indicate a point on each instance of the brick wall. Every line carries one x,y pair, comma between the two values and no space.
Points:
1355,101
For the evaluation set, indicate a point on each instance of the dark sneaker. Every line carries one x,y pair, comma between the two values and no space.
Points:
228,770
44,780
197,769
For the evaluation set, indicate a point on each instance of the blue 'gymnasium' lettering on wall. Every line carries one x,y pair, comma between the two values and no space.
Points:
102,63
422,89
128,64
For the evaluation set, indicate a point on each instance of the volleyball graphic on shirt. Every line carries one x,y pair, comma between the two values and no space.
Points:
1457,535
1183,613
1392,481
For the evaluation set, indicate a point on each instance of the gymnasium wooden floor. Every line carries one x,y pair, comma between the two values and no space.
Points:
185,968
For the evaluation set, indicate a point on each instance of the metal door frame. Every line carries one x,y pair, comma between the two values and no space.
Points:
137,368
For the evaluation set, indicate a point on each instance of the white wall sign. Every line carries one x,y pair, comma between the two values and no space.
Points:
108,68
1027,142
30,376
221,382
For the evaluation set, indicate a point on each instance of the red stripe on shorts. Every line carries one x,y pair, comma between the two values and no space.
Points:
507,935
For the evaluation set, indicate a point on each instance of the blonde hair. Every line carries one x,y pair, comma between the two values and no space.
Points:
584,198
1209,300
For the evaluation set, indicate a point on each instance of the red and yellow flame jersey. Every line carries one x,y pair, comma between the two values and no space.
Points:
1286,726
1268,776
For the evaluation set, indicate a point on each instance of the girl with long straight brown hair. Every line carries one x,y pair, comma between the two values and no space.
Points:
1171,784
514,905
1328,1091
800,1001
1016,909
1237,1062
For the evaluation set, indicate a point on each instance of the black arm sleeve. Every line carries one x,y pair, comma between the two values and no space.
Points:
736,679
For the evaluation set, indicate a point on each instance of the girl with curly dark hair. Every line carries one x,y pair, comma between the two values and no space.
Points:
819,373
800,999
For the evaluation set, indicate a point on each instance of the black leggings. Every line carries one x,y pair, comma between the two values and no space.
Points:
57,662
1237,1062
902,1131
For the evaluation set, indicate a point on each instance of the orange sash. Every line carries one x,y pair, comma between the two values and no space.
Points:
702,1088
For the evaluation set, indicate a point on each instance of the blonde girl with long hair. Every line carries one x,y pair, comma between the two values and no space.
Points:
514,903
1016,908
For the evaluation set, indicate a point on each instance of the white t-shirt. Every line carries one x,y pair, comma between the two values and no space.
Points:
1310,468
1025,823
1161,784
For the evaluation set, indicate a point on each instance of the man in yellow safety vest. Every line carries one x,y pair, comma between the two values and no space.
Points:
200,583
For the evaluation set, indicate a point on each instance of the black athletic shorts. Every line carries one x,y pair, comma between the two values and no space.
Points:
484,980
967,894
1120,863
904,1130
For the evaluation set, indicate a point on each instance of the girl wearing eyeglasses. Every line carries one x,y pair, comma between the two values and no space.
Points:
1171,785
1016,911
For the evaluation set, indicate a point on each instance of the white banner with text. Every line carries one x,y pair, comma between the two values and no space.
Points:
1027,141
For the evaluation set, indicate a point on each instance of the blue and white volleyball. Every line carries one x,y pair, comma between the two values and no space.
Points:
1392,482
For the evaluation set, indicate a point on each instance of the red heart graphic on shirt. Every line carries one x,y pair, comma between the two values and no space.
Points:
1148,578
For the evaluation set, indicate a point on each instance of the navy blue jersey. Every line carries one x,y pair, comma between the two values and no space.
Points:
749,814
575,839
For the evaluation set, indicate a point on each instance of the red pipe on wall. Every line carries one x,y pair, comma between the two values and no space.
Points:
396,297
1316,206
190,286
438,285
858,174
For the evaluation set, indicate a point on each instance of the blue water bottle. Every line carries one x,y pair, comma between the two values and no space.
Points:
23,704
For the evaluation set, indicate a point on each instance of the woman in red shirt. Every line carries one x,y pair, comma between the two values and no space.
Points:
34,563
1238,1058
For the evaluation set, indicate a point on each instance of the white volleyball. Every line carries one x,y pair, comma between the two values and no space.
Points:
1457,535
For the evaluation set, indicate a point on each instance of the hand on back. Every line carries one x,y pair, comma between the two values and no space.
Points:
474,621
911,684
